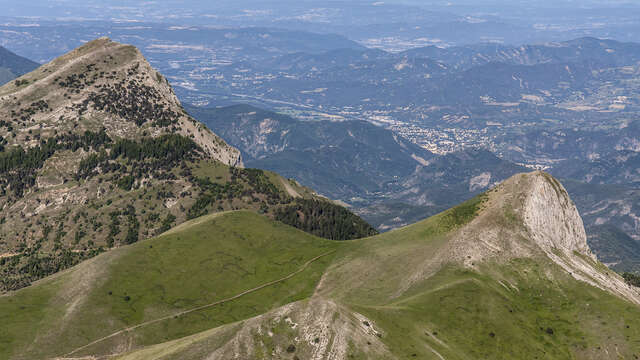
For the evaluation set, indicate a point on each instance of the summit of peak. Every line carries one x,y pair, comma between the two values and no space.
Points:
531,215
537,204
104,84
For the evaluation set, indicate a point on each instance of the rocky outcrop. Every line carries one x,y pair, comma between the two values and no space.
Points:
551,217
553,224
314,329
528,215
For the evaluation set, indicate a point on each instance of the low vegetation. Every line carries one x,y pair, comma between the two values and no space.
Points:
222,257
632,279
461,214
507,311
143,176
19,166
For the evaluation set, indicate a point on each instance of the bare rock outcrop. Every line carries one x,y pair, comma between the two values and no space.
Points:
552,218
528,215
554,224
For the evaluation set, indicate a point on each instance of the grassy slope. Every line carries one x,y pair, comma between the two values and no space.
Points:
495,311
365,271
93,220
199,264
520,309
374,268
507,311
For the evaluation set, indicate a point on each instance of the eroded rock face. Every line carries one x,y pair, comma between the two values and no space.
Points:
551,217
314,329
553,224
527,216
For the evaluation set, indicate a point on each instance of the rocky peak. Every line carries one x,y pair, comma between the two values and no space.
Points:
552,223
102,84
531,215
551,217
94,141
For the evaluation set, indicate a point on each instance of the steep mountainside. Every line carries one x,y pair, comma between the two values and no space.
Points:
101,85
507,274
12,65
97,152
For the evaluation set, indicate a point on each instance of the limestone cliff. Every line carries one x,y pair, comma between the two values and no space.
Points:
552,218
532,215
556,227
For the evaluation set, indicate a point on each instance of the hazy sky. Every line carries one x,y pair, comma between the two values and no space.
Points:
96,8
454,21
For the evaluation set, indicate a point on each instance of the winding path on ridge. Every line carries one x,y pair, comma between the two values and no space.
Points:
181,313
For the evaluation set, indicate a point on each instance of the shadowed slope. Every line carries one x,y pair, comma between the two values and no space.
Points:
12,65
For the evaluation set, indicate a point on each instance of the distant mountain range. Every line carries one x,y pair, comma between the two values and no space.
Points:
459,76
356,161
599,52
165,44
389,25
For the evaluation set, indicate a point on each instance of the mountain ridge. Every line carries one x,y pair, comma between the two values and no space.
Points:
601,51
529,290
